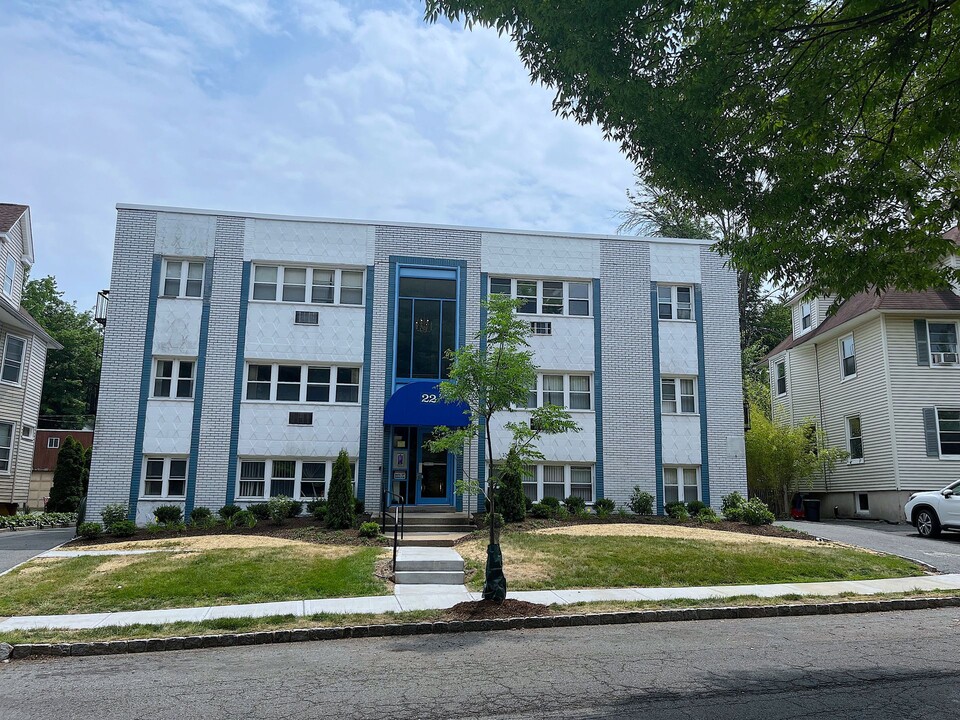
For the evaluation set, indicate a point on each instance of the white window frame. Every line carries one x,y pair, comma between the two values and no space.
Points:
6,467
297,479
843,371
566,300
937,411
850,437
9,276
956,327
856,503
185,263
681,496
309,286
165,488
304,375
174,378
53,443
537,474
806,314
22,361
539,391
675,303
678,397
776,377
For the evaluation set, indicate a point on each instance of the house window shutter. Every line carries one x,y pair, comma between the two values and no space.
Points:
923,345
930,434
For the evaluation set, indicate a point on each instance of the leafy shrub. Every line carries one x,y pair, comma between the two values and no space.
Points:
112,514
205,523
756,512
228,511
278,508
243,519
369,530
295,508
641,502
198,514
677,510
551,502
695,506
90,530
168,514
562,513
318,508
510,498
67,489
575,505
605,505
122,528
358,507
540,510
732,506
707,515
341,505
261,511
527,503
483,520
23,520
622,512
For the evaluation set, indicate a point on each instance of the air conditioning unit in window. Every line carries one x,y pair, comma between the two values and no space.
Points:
541,328
950,358
306,317
301,418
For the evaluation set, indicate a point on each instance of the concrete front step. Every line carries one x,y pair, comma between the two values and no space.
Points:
412,577
428,566
429,539
414,529
431,519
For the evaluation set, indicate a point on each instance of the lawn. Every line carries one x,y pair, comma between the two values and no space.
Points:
214,576
538,561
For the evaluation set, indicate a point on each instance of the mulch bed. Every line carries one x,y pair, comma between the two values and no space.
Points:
487,610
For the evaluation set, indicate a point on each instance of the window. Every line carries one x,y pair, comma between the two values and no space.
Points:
303,383
681,484
299,479
863,503
13,349
854,439
426,322
327,286
300,418
848,358
581,482
6,447
678,395
570,391
541,328
530,482
553,482
806,313
53,443
948,431
545,297
27,432
674,302
182,278
558,481
173,378
781,372
165,477
943,343
9,276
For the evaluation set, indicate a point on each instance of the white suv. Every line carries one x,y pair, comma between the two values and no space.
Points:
931,512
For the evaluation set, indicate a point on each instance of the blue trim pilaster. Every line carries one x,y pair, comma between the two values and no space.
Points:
198,389
657,416
365,390
238,383
702,399
482,435
145,373
598,387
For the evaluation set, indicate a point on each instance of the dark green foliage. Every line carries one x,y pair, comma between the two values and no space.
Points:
294,508
707,515
641,502
358,506
605,505
732,506
317,508
510,499
695,506
575,505
123,528
341,507
200,513
483,520
369,530
542,511
527,502
677,510
756,512
228,511
89,530
112,514
168,514
242,519
551,502
261,511
280,508
67,489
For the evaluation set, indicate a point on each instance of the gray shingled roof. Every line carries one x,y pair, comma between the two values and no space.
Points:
9,214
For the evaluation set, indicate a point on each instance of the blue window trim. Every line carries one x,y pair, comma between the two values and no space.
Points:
702,397
201,368
365,391
238,383
482,435
598,390
145,373
657,420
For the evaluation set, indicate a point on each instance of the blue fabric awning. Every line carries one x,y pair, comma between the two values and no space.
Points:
420,403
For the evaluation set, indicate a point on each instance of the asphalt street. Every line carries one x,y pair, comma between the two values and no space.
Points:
896,665
942,553
20,546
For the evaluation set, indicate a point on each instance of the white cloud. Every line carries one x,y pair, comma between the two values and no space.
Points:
239,104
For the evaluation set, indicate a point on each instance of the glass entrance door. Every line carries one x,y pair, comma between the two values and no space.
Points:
433,482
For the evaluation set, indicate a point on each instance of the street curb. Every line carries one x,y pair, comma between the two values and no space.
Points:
117,647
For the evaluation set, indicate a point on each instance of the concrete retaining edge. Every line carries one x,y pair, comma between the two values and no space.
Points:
116,647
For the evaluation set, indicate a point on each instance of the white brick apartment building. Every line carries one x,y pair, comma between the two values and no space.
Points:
243,352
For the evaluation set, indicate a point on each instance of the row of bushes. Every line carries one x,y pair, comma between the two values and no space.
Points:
37,519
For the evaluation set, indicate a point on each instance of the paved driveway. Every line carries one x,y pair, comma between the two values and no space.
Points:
20,546
942,553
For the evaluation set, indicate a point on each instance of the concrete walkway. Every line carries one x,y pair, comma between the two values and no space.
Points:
438,597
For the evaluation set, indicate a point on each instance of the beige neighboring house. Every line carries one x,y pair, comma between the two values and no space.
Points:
45,454
881,376
23,354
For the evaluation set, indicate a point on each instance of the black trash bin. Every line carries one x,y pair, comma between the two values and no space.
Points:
811,509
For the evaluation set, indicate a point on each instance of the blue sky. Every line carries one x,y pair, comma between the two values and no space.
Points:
308,107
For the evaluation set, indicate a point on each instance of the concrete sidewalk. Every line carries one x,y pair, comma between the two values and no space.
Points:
438,597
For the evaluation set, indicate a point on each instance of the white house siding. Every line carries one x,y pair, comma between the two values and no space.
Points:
265,431
177,328
273,335
780,405
914,387
167,427
13,247
578,447
802,384
569,348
